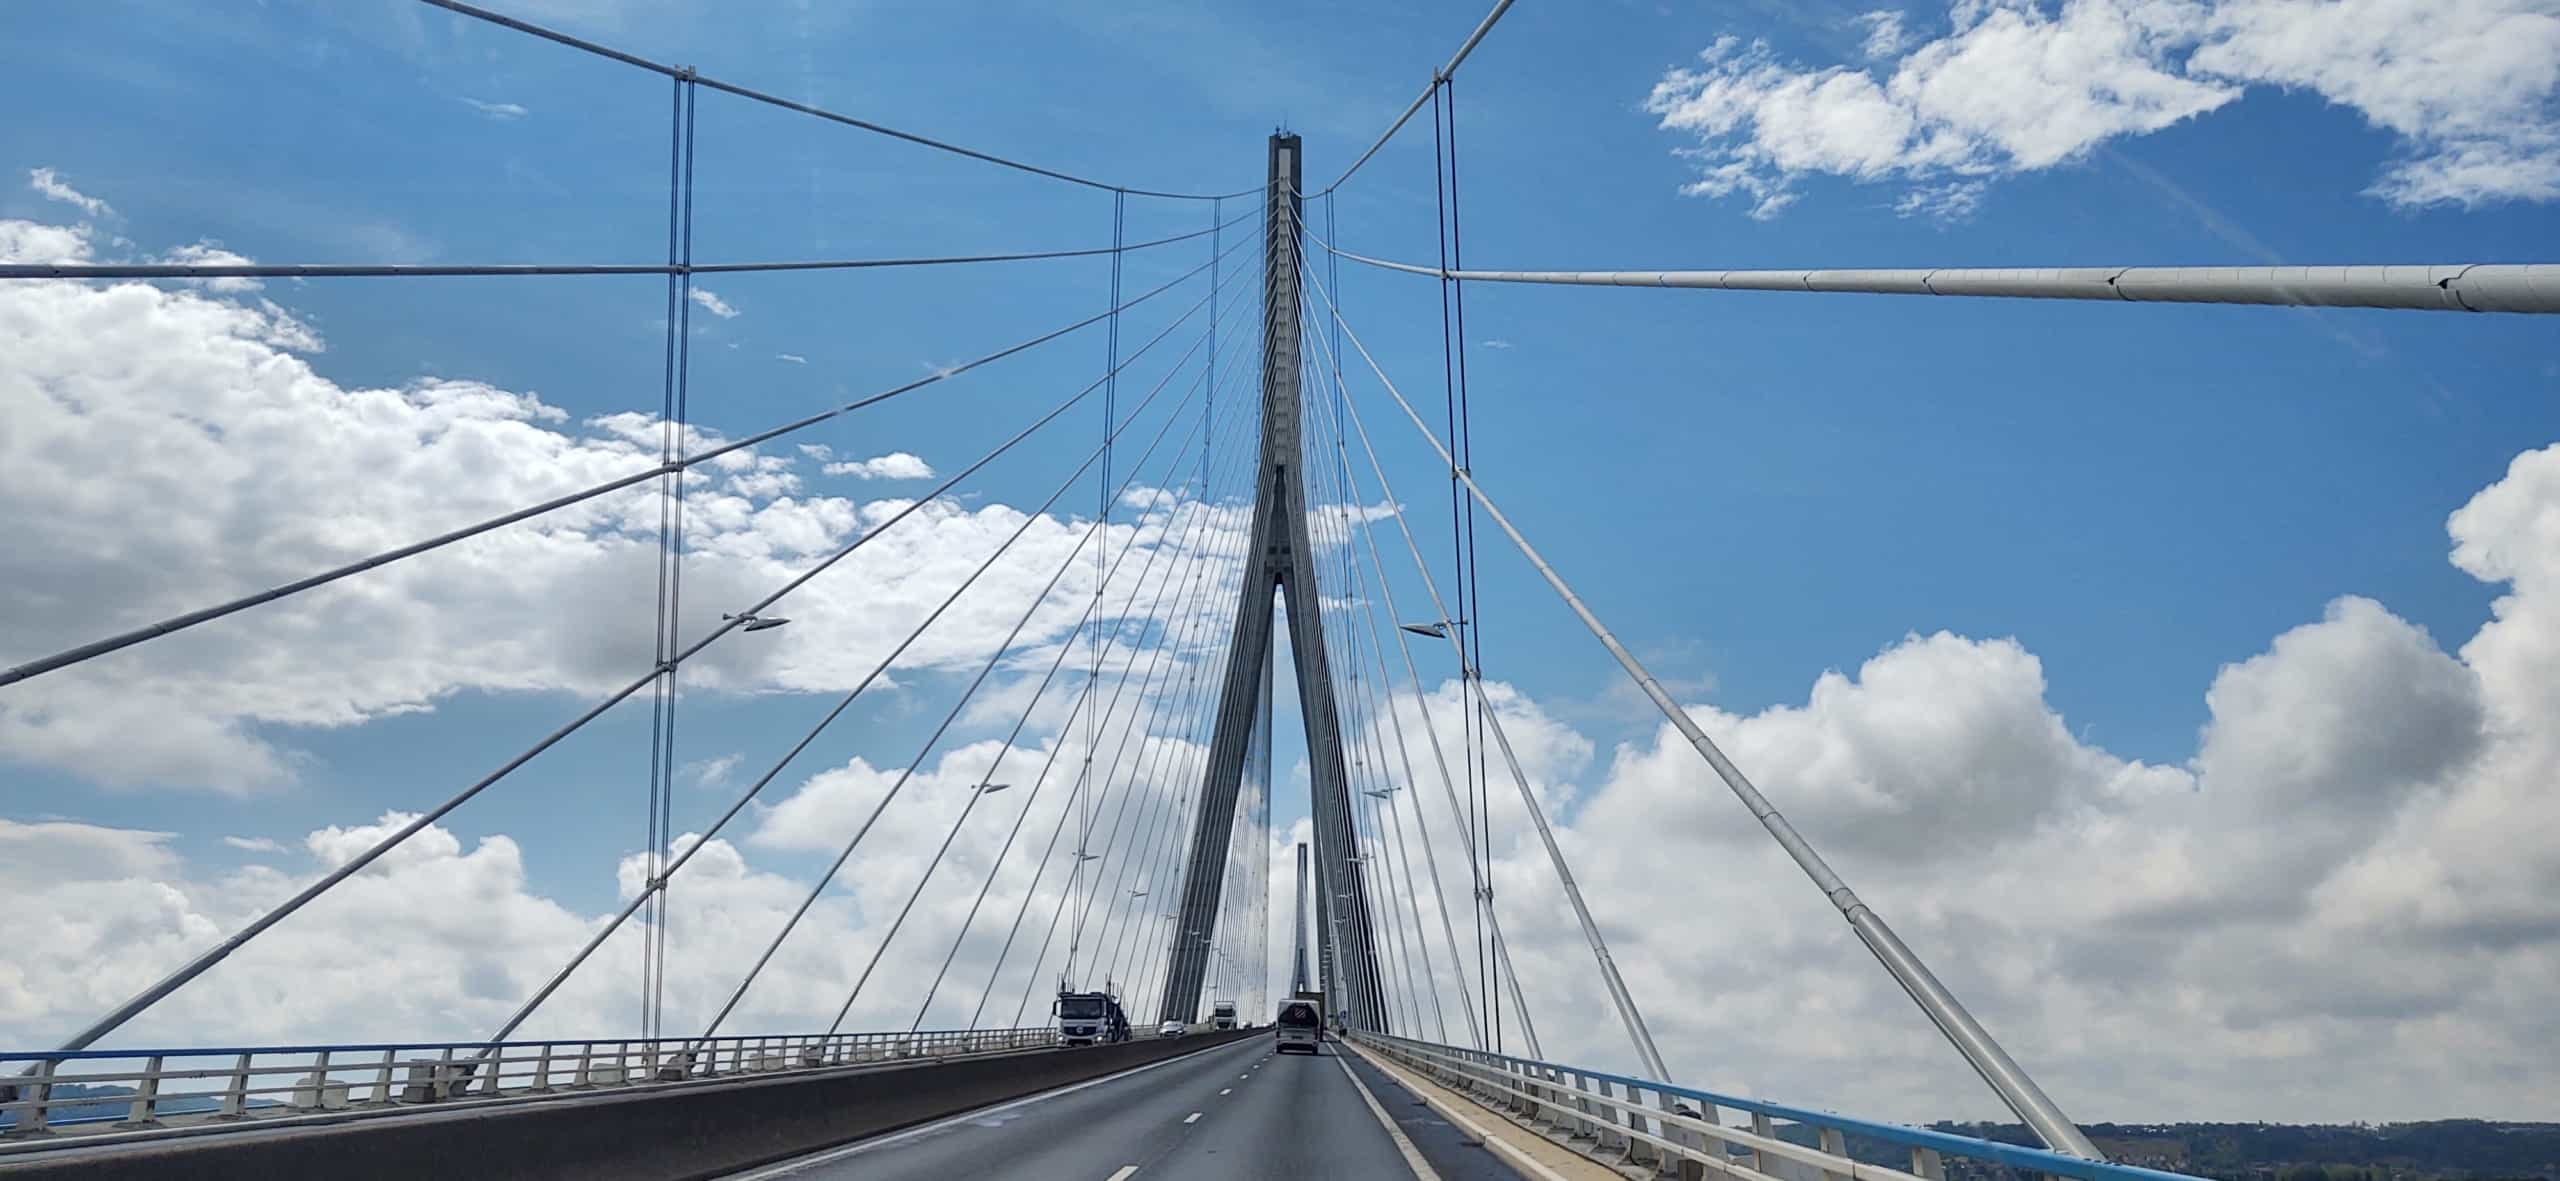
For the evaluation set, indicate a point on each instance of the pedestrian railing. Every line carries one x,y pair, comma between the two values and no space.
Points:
52,1093
1682,1130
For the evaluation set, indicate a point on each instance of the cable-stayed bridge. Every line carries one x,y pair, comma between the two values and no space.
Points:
1236,483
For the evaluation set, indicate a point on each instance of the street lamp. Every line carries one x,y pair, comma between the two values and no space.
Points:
988,789
1437,629
756,623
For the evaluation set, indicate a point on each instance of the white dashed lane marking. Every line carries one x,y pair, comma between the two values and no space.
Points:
1192,1118
1227,1090
1123,1174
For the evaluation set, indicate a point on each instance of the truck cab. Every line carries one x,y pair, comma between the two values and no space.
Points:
1222,1015
1089,1019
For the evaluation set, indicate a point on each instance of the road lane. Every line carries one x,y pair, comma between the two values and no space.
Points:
1237,1111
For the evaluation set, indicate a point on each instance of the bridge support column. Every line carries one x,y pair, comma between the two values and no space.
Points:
1298,978
1280,560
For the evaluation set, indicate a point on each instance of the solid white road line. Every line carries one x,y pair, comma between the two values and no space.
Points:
1123,1174
1412,1156
1192,1118
830,1156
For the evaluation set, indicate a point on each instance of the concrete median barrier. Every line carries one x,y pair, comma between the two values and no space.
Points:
687,1130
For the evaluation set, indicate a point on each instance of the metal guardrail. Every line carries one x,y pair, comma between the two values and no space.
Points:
160,1088
1681,1129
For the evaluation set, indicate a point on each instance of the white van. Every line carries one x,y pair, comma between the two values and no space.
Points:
1299,1026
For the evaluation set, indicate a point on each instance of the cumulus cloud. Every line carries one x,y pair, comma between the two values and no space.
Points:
2355,865
2465,88
269,470
254,844
2356,862
499,111
54,188
2205,940
102,911
793,358
704,299
896,465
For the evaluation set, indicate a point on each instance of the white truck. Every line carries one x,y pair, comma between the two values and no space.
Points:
1299,1025
1222,1015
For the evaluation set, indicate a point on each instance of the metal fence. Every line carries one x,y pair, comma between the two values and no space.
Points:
53,1093
1682,1130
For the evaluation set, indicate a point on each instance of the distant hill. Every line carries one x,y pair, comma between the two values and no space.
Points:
2454,1149
86,1101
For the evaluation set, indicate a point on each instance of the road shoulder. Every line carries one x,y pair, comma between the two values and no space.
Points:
1462,1125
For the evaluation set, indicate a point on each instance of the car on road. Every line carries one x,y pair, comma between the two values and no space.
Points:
1299,1026
1172,1029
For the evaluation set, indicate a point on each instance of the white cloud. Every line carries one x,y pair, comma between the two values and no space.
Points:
1497,344
2356,864
499,111
710,773
2466,88
2203,940
2358,861
1953,201
45,181
1885,34
896,465
703,298
254,844
99,912
212,254
793,358
269,470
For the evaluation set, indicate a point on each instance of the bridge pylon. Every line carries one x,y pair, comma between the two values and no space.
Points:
1280,562
1298,981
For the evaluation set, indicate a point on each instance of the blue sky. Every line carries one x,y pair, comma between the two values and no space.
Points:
1752,489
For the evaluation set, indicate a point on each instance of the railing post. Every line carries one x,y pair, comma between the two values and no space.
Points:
32,1119
1926,1163
1681,1165
235,1098
1834,1142
382,1082
1610,1138
1760,1126
542,1071
145,1112
319,1083
1638,1151
1582,1106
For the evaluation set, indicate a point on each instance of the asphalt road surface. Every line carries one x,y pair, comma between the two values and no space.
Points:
1238,1111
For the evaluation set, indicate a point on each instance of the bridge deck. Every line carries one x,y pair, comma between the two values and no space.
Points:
1238,1111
